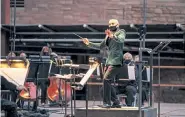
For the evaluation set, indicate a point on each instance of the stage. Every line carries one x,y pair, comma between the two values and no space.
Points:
167,109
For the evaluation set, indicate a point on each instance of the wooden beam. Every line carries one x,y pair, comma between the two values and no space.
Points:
170,67
154,85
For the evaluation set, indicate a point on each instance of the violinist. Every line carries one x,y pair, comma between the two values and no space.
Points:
114,41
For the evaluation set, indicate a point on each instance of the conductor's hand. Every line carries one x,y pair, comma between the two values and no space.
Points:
85,40
109,33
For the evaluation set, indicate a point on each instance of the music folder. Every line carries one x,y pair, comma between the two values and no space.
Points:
126,72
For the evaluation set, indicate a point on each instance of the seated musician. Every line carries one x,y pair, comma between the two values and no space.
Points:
129,88
11,54
9,106
14,93
23,55
54,56
132,86
20,103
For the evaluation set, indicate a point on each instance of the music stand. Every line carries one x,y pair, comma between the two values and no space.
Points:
43,75
39,60
157,51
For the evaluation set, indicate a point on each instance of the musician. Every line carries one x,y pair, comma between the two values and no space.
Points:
114,41
43,83
23,55
20,103
130,87
14,93
11,54
9,106
46,51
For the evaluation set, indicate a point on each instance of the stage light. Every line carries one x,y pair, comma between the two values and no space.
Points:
133,27
84,25
90,28
180,26
40,26
45,28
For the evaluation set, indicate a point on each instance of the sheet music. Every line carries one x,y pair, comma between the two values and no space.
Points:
131,72
88,74
17,75
148,73
98,70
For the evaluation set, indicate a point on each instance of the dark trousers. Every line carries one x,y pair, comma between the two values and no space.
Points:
130,92
113,97
9,107
43,86
109,91
144,95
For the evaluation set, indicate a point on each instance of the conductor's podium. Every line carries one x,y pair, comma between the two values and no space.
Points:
115,112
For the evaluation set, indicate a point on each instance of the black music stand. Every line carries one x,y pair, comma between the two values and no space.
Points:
157,50
66,70
43,71
37,61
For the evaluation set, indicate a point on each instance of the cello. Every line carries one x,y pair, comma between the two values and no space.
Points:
29,93
58,86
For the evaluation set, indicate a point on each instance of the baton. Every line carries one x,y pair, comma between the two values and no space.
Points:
78,36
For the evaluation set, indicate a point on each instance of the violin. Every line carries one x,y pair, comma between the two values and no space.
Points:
29,93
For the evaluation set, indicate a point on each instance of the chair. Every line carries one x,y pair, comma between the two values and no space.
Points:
6,94
122,97
135,103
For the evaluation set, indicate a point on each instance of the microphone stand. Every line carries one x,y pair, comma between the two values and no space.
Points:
159,75
142,34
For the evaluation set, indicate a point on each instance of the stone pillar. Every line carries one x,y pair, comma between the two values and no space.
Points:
5,19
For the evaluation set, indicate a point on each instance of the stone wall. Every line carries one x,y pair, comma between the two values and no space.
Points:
100,11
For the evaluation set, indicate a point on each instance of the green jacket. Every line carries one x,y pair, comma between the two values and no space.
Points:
115,47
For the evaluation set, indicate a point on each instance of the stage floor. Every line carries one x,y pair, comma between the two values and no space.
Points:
167,109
